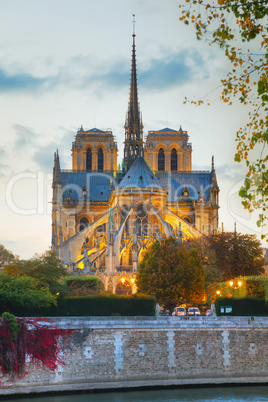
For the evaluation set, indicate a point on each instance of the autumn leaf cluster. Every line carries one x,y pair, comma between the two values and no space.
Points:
239,27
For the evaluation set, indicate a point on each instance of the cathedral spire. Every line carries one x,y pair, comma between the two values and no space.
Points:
56,169
133,125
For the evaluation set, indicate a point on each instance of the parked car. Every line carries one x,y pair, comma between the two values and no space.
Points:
193,311
208,312
179,311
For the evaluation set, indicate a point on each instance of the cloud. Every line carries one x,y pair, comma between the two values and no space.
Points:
167,73
19,82
2,153
232,172
168,70
44,155
24,136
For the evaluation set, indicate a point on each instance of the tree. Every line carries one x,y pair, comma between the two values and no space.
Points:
208,258
46,268
6,256
82,285
240,29
23,291
237,254
172,275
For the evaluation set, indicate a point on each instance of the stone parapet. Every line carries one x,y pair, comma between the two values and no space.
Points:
159,322
128,352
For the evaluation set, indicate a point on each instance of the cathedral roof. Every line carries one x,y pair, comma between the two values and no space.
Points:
167,129
196,182
96,130
97,185
139,176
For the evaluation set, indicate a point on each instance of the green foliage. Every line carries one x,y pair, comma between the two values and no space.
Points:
243,307
227,256
13,325
240,29
6,255
252,286
46,268
237,255
208,258
255,288
107,305
23,291
172,275
81,285
101,305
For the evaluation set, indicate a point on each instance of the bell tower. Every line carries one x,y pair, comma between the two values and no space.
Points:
133,144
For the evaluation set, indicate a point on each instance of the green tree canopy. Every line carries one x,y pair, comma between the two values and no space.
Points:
6,256
239,27
208,258
171,274
23,291
46,268
237,254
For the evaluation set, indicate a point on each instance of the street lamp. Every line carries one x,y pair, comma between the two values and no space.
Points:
235,287
123,280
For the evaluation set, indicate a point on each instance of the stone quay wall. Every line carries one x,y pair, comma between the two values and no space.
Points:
128,352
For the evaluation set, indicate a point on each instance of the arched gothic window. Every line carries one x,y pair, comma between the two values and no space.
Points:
100,160
174,160
89,160
83,223
141,221
161,159
124,211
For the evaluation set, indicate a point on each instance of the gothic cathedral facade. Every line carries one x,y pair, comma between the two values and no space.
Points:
105,218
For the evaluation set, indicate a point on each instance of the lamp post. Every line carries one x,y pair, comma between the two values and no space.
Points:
127,284
235,286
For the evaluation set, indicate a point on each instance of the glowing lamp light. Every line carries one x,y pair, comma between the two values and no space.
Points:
235,287
218,292
132,280
123,280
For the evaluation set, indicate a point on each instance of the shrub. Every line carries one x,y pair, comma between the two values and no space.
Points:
82,285
255,288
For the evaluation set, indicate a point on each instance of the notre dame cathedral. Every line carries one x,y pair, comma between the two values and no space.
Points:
105,216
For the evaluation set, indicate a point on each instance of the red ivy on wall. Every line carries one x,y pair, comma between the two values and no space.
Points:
34,339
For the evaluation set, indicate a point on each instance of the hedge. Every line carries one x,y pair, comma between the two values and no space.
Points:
247,306
91,282
93,306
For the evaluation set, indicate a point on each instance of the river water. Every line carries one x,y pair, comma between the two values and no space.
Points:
230,394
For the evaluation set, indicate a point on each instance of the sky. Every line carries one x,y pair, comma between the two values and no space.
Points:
67,63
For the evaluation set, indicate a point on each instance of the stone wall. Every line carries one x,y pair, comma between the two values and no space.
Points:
115,352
